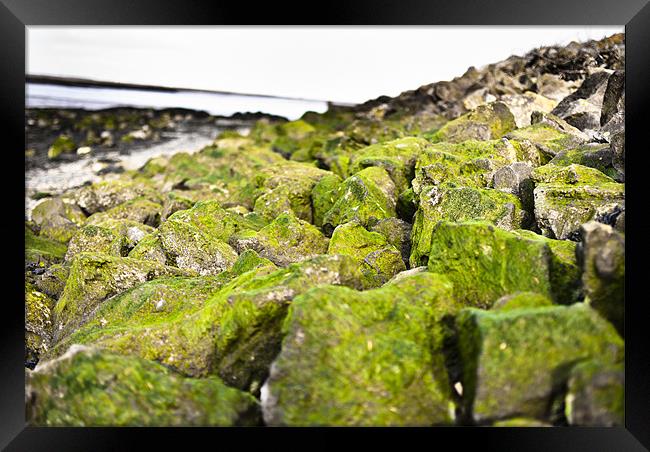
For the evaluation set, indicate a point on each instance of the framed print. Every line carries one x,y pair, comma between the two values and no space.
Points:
397,219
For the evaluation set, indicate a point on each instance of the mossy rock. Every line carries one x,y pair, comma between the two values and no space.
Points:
515,360
96,277
378,259
487,122
470,163
52,281
603,263
139,210
41,251
56,219
113,237
88,387
596,395
398,233
485,263
461,204
286,188
323,197
173,202
594,155
234,333
549,134
366,197
521,422
568,196
372,358
62,144
38,323
397,157
149,248
285,240
105,195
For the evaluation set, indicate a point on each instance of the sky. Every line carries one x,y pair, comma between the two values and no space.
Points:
341,64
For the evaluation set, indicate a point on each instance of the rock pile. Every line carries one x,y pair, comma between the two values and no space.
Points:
454,255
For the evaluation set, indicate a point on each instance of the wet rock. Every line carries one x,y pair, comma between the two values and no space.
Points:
283,241
379,260
602,254
461,204
89,387
56,219
596,395
364,358
568,196
485,263
515,360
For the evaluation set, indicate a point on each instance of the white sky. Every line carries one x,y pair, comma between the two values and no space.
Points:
345,64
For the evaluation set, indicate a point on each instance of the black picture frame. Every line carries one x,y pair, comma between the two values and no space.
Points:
16,15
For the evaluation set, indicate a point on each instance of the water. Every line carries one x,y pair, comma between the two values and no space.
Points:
91,98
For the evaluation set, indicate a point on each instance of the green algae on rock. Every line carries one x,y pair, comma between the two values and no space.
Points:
56,219
42,251
520,300
366,197
88,387
113,237
568,196
105,195
38,323
603,261
379,260
95,277
139,210
485,263
283,241
515,360
461,204
364,358
596,394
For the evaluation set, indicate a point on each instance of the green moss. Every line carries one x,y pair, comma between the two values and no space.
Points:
56,219
486,263
41,250
63,143
323,196
520,300
140,210
88,387
594,155
549,140
515,360
379,260
364,358
285,240
105,195
38,323
366,197
461,204
94,278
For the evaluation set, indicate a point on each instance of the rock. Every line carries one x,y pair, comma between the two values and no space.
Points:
520,300
602,254
568,196
594,155
520,422
105,195
235,333
88,387
461,204
397,157
324,196
582,109
139,210
371,358
515,360
173,202
197,239
595,395
62,144
286,188
398,233
52,281
113,237
618,158
38,324
84,150
486,263
523,105
56,219
283,241
41,251
94,278
366,197
516,179
379,260
487,122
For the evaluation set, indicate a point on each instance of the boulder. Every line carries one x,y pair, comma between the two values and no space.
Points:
487,122
372,358
56,219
